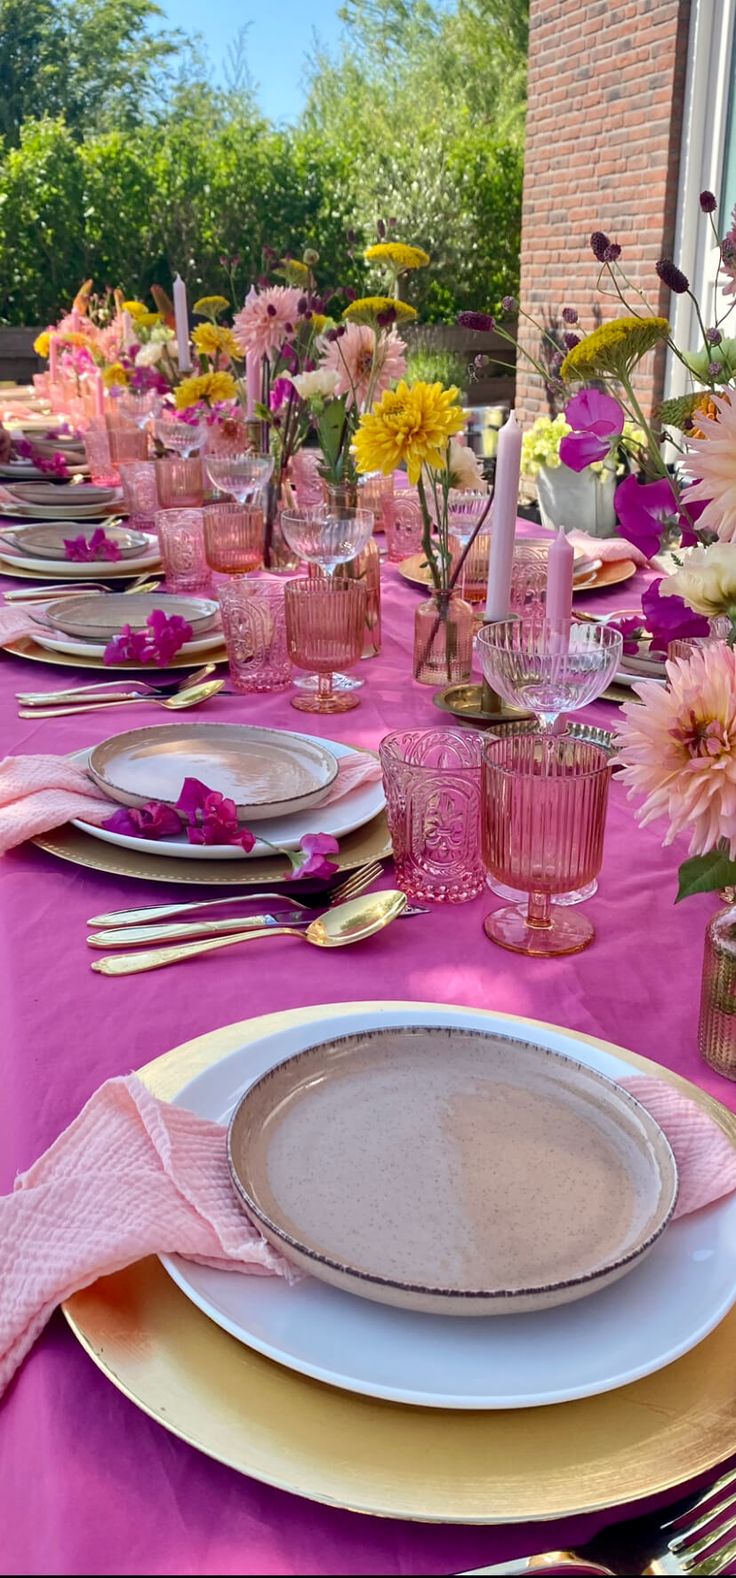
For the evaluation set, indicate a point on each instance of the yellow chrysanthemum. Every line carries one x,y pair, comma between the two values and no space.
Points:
210,306
42,343
210,387
368,309
115,375
212,339
137,309
614,348
410,425
398,256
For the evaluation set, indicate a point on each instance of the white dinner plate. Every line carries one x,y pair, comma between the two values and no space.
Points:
663,1308
54,641
69,570
344,816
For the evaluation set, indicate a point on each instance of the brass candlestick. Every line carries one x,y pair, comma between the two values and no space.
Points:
480,703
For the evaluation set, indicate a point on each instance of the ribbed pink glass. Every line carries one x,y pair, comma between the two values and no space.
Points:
180,482
181,539
376,493
325,621
404,528
432,779
254,627
97,450
233,538
126,444
140,494
543,816
474,579
367,568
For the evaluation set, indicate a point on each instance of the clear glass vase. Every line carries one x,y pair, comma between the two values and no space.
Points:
443,639
717,1026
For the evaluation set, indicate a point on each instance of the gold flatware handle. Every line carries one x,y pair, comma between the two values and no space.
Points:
156,958
68,712
561,1561
184,931
158,912
54,698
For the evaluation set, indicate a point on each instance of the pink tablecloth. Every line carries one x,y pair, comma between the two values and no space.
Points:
89,1484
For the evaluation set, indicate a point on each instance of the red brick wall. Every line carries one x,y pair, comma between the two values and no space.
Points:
606,89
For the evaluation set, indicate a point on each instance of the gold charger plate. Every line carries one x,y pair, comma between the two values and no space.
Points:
381,1458
109,571
414,570
26,647
370,842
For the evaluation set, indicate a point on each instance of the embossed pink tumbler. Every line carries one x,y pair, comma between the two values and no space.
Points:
432,779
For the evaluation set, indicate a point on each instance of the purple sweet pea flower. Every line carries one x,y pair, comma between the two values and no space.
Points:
128,646
153,820
280,393
211,818
595,418
84,550
669,618
632,631
578,450
644,509
158,642
315,847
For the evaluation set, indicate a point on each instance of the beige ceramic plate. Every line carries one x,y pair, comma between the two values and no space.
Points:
68,495
99,616
608,575
450,1171
47,542
267,772
375,1457
31,650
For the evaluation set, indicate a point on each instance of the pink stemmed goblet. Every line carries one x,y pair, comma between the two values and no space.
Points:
325,620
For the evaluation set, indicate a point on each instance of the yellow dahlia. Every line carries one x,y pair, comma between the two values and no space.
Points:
210,306
399,257
614,348
213,339
411,425
115,375
137,309
42,343
368,309
210,387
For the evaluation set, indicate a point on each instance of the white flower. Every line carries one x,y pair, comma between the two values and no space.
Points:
707,580
315,386
465,470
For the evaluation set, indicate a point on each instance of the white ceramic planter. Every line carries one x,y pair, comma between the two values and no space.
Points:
577,500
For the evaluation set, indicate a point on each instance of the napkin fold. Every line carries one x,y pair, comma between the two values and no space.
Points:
38,793
609,549
135,1176
15,621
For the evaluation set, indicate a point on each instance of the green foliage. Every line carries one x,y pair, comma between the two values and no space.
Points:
113,167
429,364
705,874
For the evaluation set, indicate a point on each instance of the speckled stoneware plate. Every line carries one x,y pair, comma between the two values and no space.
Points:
267,772
47,541
452,1172
98,616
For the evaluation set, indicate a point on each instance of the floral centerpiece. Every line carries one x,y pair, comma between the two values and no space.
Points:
132,346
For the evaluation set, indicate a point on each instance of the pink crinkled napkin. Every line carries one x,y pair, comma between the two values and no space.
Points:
609,549
135,1176
38,793
15,621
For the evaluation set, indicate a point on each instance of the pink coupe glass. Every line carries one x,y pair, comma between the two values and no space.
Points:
181,539
543,816
432,779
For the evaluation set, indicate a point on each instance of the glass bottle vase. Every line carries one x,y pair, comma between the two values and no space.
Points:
443,639
717,1025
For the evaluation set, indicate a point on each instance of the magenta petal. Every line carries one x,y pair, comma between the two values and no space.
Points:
593,411
319,844
121,822
192,799
578,450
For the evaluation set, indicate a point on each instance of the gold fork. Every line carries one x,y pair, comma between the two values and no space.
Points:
350,888
687,1539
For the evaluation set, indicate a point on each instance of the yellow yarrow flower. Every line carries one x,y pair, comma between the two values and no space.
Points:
210,306
210,387
409,425
368,309
614,348
320,321
213,339
42,343
137,309
147,320
115,375
398,256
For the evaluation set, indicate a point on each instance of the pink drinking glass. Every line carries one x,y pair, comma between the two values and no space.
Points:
126,444
180,481
376,493
97,450
233,538
254,627
181,539
140,494
404,528
529,570
432,779
543,814
474,577
325,621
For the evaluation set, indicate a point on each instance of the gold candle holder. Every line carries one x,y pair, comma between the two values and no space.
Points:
480,703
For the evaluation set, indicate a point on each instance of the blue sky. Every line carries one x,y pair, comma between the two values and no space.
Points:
279,38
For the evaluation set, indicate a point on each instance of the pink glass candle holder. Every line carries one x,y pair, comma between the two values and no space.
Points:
543,815
140,494
432,779
404,528
127,444
325,621
97,450
254,627
233,538
181,540
180,481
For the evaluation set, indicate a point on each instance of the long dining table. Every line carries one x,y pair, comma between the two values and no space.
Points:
90,1484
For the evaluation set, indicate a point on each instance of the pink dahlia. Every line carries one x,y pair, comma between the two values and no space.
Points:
678,749
714,462
351,357
268,318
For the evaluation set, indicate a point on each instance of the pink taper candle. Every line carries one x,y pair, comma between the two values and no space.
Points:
559,582
252,383
503,520
53,358
99,394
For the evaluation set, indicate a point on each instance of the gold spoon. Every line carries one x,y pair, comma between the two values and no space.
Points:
346,923
178,703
